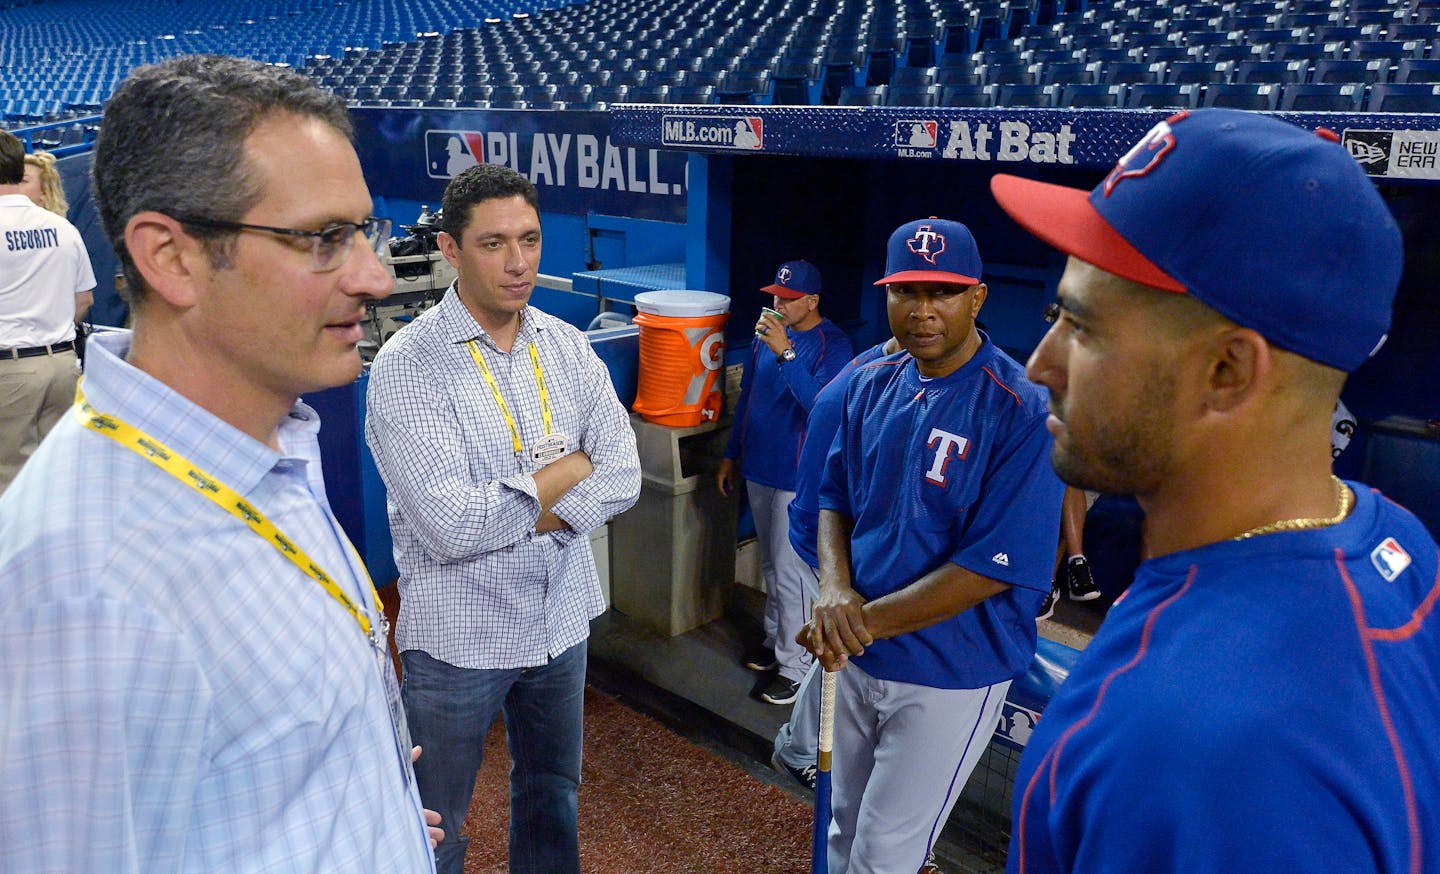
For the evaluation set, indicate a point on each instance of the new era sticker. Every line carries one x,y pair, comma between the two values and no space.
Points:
1406,154
1390,559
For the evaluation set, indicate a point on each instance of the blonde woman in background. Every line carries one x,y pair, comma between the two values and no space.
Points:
42,183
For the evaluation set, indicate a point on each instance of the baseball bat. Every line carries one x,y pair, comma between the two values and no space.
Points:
819,862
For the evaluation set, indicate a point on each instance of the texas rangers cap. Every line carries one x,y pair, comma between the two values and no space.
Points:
1273,226
932,250
795,279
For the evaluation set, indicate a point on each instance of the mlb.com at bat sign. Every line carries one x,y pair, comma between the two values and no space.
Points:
741,133
413,154
1405,154
985,140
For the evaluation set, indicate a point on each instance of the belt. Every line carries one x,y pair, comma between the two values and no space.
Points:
32,351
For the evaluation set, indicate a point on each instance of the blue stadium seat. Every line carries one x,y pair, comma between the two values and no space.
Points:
1308,51
1131,73
789,90
1199,72
862,95
1317,97
1008,74
1163,96
1070,73
1043,96
1237,95
696,94
1423,70
1275,72
912,95
911,76
1330,72
1404,97
1092,95
967,95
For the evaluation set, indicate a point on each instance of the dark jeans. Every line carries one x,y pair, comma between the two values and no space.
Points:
450,711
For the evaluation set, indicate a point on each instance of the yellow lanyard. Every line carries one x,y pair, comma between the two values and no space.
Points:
230,501
500,399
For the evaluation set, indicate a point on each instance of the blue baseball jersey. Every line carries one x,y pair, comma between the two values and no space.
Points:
820,428
953,469
775,399
1252,705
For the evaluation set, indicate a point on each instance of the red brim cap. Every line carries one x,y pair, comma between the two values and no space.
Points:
1064,218
782,291
928,276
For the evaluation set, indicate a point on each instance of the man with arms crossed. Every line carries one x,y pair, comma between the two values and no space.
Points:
194,673
938,524
502,443
1263,696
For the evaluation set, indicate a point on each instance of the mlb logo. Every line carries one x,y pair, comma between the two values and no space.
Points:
448,153
749,133
916,134
1390,559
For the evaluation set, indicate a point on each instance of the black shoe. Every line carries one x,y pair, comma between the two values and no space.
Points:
1047,607
1082,584
760,658
780,690
804,776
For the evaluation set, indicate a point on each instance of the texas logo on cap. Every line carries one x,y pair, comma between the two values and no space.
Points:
1144,155
932,250
926,243
795,279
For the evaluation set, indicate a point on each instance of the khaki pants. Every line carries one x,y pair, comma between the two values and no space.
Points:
34,393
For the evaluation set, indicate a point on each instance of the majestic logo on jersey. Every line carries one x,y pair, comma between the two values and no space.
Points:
946,446
1390,559
1001,558
1145,155
926,243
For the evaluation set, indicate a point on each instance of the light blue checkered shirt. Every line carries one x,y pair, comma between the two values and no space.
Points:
479,588
174,694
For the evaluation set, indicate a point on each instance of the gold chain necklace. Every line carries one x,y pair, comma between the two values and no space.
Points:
1344,501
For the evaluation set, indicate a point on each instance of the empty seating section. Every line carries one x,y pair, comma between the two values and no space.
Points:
1300,55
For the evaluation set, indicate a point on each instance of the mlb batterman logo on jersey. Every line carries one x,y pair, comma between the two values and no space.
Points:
1390,559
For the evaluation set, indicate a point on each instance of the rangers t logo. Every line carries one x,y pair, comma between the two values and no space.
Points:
1390,559
782,276
1145,155
926,243
943,442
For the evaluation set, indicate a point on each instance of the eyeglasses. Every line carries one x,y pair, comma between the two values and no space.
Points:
329,247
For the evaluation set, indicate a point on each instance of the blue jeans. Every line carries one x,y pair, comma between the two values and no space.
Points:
450,711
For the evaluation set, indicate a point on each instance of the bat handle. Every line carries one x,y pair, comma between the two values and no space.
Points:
827,719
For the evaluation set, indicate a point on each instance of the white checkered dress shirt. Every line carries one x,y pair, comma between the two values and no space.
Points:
174,694
479,587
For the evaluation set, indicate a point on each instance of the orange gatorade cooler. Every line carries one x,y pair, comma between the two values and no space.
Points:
682,351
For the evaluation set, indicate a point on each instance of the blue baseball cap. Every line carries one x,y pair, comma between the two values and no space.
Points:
1274,227
932,250
795,279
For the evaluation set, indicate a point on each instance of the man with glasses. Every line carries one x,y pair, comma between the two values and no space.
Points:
502,445
795,353
194,671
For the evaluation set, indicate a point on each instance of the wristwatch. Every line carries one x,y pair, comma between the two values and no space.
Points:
787,355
